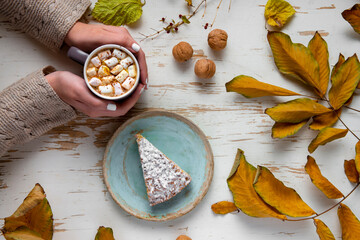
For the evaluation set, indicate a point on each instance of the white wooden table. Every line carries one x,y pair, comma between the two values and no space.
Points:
67,161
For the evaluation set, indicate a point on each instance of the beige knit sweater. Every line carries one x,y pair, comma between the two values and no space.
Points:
30,107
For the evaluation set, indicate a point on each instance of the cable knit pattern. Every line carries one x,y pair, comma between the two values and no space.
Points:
48,21
29,108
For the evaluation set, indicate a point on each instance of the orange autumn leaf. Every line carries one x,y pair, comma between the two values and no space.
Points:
325,120
32,220
296,60
325,136
353,17
350,171
344,82
284,199
319,49
320,181
350,225
250,87
278,12
281,130
296,111
240,182
223,207
323,231
357,156
340,61
104,234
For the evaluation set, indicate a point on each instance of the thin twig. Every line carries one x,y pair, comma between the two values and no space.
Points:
348,128
204,10
229,5
352,109
217,9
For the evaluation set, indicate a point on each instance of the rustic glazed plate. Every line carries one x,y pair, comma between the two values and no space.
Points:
181,140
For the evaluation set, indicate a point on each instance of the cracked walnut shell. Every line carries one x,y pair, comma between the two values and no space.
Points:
205,68
182,51
217,39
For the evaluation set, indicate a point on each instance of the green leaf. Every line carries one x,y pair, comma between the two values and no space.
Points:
185,19
117,12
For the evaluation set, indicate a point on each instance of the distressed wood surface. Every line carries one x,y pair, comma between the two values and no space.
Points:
67,161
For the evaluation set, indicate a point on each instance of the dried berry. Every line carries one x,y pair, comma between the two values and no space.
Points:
205,68
182,51
217,39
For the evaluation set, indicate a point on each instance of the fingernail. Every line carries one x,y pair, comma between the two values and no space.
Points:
142,90
135,47
111,107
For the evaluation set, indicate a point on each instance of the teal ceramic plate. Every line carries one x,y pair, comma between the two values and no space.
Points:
181,140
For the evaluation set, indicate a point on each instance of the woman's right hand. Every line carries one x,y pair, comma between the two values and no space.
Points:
73,90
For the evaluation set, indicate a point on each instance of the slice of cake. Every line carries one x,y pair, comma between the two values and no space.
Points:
163,178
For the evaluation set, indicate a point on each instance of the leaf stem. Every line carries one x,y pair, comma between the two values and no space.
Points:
317,215
356,110
217,9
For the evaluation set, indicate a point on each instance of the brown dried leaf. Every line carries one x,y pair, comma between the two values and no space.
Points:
319,49
278,12
250,87
296,60
320,181
240,182
276,194
33,217
325,136
353,17
325,120
296,111
350,171
323,231
350,225
357,156
223,207
281,130
104,234
344,82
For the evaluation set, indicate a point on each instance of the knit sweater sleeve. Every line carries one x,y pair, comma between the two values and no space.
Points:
48,21
29,108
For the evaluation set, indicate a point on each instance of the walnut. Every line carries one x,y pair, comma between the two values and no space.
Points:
217,39
205,68
182,51
183,237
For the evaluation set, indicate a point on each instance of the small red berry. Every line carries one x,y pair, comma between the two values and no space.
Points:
176,29
180,16
163,19
205,26
168,31
170,24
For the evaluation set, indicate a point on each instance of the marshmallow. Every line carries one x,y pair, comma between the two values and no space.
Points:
118,89
95,82
117,69
132,71
119,54
122,76
96,61
111,62
104,54
107,79
91,72
128,83
103,71
106,89
126,62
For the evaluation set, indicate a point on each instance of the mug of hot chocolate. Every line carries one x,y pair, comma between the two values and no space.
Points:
110,71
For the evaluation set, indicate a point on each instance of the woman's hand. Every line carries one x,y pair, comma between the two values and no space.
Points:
87,37
72,89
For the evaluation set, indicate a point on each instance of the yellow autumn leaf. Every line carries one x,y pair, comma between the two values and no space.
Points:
325,136
278,12
357,156
33,216
223,207
22,233
340,61
189,2
296,111
323,231
250,87
296,60
281,130
320,181
319,49
344,82
284,199
353,17
350,225
325,120
350,171
104,234
240,182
